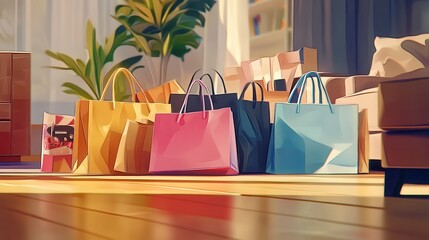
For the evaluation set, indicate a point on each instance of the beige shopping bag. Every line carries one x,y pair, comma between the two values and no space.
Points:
363,142
134,148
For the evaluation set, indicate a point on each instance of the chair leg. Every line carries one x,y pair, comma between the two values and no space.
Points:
393,181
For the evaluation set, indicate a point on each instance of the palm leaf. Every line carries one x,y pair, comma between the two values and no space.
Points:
181,44
99,56
162,28
127,63
140,41
75,66
91,45
76,90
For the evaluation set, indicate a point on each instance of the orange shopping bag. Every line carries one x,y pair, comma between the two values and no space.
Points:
160,94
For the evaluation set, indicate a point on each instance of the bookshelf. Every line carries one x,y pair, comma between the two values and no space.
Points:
270,23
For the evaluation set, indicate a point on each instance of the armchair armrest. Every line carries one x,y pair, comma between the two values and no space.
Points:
358,83
338,87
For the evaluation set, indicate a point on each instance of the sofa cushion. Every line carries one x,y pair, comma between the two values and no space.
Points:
394,56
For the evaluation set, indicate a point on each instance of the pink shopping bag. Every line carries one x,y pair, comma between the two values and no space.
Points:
197,143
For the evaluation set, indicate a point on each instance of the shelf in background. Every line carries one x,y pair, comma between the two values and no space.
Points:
270,23
270,43
264,5
269,37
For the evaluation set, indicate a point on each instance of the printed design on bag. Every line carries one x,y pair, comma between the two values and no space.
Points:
58,136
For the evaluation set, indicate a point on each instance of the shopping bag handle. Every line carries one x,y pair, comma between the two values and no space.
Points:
302,83
254,97
185,102
131,81
211,80
299,86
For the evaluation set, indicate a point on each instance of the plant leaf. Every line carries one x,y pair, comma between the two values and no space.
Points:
91,46
200,5
76,90
75,66
199,17
181,44
157,12
166,48
164,27
140,41
126,63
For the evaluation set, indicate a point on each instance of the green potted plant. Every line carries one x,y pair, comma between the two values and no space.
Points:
164,28
91,71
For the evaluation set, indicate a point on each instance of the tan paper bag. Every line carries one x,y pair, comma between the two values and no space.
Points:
363,142
234,79
134,148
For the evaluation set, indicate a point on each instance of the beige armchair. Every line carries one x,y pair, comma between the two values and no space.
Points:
394,59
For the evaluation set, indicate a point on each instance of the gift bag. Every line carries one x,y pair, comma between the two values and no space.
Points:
134,148
253,132
313,138
194,103
160,94
195,143
100,125
57,143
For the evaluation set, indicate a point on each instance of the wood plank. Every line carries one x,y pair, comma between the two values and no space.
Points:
17,225
265,219
104,224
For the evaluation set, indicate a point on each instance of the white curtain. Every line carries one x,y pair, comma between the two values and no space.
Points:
7,25
227,36
60,26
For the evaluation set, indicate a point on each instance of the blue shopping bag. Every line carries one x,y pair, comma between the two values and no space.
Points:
313,138
253,131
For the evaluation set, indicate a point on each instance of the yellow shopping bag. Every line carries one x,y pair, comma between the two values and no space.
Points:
100,124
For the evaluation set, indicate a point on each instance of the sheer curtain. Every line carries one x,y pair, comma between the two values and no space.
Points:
60,26
227,36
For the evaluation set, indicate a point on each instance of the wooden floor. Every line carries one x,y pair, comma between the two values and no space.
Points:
36,206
